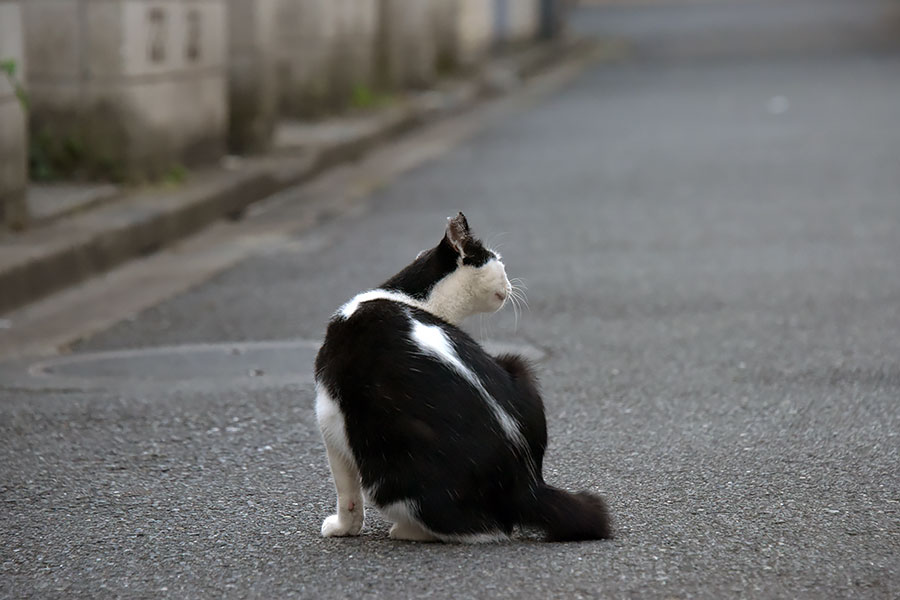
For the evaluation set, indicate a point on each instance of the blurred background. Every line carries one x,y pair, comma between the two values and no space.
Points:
139,91
702,197
133,91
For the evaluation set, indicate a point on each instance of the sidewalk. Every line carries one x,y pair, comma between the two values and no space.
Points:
84,230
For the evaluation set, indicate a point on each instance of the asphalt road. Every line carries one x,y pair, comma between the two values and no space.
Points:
710,243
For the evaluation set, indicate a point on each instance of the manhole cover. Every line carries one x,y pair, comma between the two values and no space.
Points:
282,361
290,359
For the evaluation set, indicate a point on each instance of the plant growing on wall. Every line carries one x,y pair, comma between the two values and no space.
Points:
9,68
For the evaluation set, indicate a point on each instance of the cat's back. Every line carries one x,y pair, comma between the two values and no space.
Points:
380,336
363,331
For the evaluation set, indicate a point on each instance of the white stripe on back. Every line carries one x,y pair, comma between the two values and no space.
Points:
350,307
433,340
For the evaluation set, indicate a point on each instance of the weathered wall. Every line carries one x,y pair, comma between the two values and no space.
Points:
252,81
304,29
473,30
353,48
407,48
13,139
127,88
326,50
524,19
515,21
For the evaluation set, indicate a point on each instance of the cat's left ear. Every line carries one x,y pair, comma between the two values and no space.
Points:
457,232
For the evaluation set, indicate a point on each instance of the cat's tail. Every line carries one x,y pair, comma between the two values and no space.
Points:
567,517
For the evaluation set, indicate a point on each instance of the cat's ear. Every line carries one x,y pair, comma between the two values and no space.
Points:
457,232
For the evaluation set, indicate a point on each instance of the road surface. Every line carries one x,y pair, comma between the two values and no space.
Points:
709,228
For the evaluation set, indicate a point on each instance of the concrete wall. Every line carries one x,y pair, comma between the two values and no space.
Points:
524,20
407,45
303,32
13,139
326,50
252,82
473,30
515,21
353,48
444,15
127,88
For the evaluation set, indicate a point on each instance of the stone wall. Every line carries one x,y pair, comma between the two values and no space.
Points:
13,138
126,89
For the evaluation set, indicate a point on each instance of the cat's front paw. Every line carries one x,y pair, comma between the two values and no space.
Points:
334,527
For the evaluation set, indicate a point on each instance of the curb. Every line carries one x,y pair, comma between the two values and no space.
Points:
64,253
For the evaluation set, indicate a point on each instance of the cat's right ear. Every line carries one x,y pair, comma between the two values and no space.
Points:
457,233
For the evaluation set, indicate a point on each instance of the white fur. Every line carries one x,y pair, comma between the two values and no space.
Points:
402,510
347,310
350,505
407,526
464,292
468,291
432,340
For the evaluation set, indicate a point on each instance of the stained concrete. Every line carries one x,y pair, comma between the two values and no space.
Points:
13,137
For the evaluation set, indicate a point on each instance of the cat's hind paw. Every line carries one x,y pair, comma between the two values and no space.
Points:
334,527
410,532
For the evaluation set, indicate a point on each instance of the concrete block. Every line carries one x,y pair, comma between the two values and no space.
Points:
53,43
126,88
172,36
524,20
515,21
353,48
474,29
196,129
253,85
104,46
326,50
13,137
304,31
407,48
444,23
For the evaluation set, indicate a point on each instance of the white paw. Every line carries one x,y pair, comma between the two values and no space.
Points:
334,527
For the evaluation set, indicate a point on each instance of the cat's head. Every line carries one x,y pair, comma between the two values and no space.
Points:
457,278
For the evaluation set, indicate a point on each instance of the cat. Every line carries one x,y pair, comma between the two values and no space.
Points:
444,439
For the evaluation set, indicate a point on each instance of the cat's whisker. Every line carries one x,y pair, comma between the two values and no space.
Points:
494,243
484,327
524,301
519,294
514,301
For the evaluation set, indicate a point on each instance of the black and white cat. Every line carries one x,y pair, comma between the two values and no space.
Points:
446,440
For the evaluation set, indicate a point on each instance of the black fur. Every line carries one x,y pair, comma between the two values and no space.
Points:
422,275
420,431
418,279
